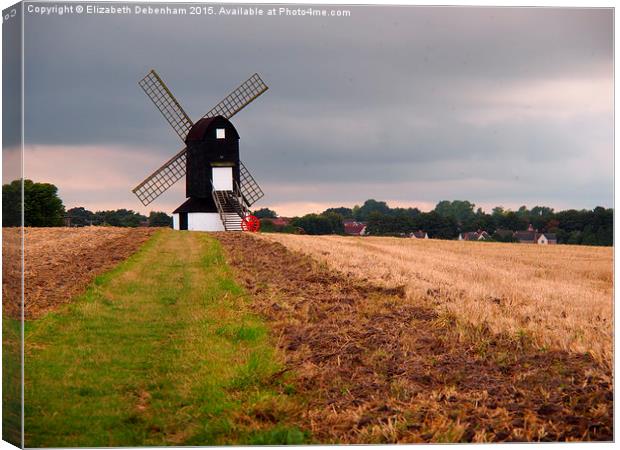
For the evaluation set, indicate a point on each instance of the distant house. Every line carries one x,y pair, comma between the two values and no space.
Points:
479,235
526,237
353,228
532,236
419,235
547,239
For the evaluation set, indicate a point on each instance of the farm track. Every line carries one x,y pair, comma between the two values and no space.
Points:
161,350
377,366
61,262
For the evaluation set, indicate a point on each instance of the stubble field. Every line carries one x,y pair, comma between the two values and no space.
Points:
279,339
560,297
60,262
393,340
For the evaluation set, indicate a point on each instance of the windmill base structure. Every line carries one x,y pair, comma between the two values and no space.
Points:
194,217
219,188
198,222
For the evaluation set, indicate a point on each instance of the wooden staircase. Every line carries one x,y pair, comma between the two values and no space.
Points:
231,209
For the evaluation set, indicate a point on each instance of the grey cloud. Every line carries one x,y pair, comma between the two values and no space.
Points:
381,98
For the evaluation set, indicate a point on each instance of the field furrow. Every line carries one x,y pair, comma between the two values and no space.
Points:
379,365
560,296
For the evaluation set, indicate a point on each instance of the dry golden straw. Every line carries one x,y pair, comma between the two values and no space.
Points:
561,296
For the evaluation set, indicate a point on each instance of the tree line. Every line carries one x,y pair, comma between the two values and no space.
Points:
449,218
80,217
44,208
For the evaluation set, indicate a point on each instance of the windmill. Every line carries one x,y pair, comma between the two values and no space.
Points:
218,187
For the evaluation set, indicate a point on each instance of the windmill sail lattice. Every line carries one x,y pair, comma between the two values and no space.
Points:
160,95
174,169
159,181
239,98
250,190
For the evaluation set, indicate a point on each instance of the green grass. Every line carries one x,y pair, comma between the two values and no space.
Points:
162,350
11,381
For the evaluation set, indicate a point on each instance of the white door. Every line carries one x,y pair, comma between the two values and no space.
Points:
222,179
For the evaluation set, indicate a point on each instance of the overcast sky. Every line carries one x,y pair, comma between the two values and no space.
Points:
412,105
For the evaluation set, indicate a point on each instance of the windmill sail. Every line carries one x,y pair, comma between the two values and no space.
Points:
250,190
160,95
238,99
159,181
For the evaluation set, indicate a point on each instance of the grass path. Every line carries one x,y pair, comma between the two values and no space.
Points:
162,350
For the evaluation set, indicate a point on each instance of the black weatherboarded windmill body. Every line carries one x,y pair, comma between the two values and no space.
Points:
219,189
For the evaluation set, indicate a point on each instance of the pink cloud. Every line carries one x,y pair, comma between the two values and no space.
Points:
11,164
98,177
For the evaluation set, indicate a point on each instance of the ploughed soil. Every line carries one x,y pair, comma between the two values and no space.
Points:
374,366
60,263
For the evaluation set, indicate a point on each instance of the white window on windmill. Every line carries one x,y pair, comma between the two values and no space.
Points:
220,133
